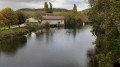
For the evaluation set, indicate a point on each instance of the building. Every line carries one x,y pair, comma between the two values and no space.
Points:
52,19
32,20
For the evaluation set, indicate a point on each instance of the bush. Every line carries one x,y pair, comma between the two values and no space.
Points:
73,19
9,34
32,26
46,25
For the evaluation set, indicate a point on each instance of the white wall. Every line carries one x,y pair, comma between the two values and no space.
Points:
53,22
32,20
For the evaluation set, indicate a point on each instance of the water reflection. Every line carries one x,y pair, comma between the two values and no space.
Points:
73,30
92,61
11,46
57,47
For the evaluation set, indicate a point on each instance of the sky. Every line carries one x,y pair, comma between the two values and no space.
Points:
67,4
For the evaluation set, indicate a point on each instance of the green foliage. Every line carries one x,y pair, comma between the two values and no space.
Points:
104,14
51,9
105,60
46,25
10,17
75,7
21,17
46,9
106,20
2,20
9,34
31,26
72,19
38,16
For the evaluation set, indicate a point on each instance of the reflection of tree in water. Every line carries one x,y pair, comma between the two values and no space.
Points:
73,30
49,35
91,54
11,46
48,32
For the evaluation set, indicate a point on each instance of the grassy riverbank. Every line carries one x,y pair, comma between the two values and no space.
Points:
13,33
6,27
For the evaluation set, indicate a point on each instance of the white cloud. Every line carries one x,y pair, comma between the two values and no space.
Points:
68,4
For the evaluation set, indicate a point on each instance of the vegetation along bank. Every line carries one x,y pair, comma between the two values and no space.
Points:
105,15
11,20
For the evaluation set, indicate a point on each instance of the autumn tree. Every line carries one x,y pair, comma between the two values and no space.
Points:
46,9
10,16
2,20
21,17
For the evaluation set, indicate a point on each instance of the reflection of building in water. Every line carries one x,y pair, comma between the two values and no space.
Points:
11,46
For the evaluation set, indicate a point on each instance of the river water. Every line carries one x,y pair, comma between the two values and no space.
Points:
57,47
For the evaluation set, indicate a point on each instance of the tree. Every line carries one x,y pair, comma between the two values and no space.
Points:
2,20
75,7
51,9
38,16
21,17
10,16
46,9
105,17
72,19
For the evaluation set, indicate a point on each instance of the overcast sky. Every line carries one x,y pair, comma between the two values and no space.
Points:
67,4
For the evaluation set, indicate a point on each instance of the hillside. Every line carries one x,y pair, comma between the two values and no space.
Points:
54,9
84,15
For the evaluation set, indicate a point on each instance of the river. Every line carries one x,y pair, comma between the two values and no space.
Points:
57,47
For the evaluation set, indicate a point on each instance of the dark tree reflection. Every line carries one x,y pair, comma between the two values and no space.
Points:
11,46
73,30
91,54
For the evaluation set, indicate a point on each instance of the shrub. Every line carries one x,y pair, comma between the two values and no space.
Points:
9,34
32,26
46,25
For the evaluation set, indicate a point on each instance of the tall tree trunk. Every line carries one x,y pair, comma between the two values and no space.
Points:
9,26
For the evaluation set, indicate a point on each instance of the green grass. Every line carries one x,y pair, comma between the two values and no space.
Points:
12,33
7,27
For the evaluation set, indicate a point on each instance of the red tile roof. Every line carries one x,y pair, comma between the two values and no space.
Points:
53,17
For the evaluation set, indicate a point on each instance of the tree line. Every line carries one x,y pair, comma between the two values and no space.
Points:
50,10
10,17
105,15
72,18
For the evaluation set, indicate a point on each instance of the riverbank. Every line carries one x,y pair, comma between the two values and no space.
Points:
63,47
16,32
12,33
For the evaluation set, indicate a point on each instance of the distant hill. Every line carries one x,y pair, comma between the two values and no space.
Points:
54,9
85,10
